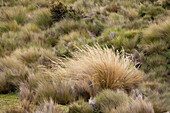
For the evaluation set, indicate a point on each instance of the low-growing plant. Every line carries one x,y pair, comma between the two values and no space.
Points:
137,106
50,107
9,43
69,42
80,106
43,19
95,27
9,26
157,93
62,28
60,91
155,45
108,100
17,14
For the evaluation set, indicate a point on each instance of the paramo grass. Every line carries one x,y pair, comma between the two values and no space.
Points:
104,68
85,56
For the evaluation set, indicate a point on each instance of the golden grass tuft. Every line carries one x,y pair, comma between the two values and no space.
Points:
104,68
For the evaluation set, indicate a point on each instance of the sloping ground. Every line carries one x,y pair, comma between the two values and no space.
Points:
35,44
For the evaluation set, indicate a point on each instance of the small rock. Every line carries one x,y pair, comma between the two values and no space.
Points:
89,16
92,102
112,35
136,54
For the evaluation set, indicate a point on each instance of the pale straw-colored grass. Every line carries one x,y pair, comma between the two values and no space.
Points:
103,67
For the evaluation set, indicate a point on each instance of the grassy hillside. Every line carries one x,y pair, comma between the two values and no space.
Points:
85,56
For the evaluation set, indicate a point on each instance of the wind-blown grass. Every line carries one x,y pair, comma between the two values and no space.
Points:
104,68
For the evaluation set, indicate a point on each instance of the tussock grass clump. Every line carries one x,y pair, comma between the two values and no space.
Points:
35,33
105,68
157,32
61,28
69,42
43,19
16,68
140,106
60,91
9,26
34,56
158,94
9,43
155,43
32,28
27,56
108,100
17,14
12,72
50,107
80,106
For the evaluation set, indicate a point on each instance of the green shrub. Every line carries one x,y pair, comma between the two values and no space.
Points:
60,11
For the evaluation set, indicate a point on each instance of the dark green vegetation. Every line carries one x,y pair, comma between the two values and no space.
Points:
58,55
